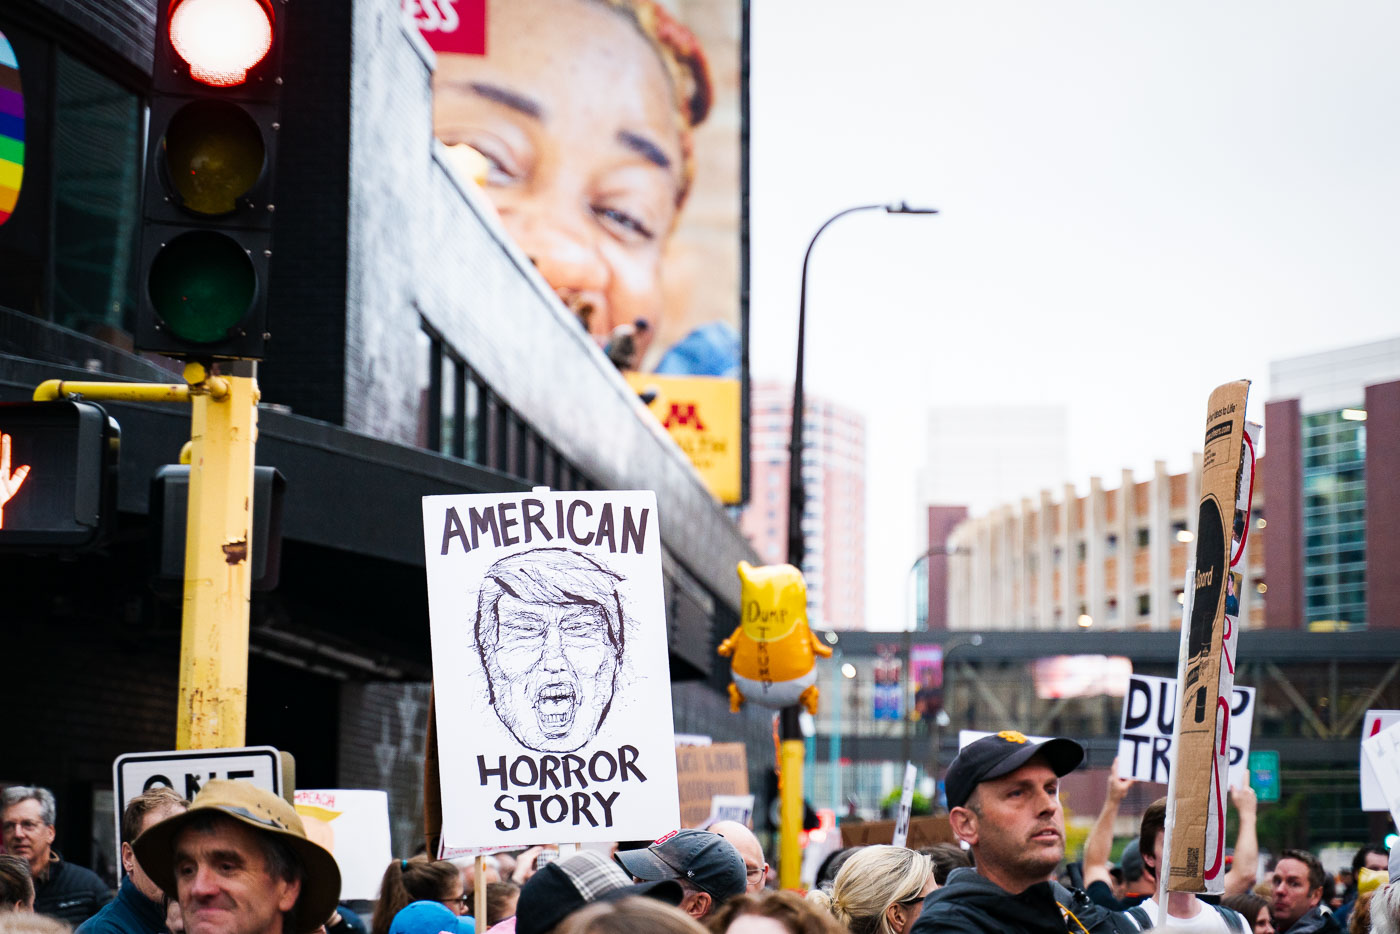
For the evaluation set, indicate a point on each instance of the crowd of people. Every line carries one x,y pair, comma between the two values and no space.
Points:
237,860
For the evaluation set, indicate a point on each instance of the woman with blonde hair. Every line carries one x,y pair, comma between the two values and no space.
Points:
879,890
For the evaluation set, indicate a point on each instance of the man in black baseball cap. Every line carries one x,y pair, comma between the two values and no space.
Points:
1004,802
708,867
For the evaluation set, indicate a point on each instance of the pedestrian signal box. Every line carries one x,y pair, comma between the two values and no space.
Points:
208,208
58,470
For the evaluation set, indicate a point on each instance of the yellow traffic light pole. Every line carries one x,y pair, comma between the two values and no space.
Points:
213,701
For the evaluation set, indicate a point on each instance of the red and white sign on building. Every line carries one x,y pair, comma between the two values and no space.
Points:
450,25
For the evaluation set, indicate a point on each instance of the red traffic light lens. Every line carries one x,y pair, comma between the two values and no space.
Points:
220,39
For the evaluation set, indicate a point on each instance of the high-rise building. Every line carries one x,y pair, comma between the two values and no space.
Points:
1108,560
833,523
1333,437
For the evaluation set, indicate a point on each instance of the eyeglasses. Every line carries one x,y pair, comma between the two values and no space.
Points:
755,873
461,901
29,826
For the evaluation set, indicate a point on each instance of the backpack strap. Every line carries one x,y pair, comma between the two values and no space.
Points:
1140,915
1233,919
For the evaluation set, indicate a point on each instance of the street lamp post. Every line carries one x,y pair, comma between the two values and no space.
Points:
797,491
909,690
789,734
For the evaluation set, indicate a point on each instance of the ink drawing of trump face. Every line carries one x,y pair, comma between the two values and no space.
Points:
549,630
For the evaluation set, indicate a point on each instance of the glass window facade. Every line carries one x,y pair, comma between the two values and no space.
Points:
1334,520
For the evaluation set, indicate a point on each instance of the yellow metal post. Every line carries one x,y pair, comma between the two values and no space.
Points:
214,637
791,753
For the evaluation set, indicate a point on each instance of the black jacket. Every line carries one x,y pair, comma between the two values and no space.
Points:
70,893
972,904
1317,921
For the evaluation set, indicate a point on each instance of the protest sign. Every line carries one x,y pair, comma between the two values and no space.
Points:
1382,752
1372,795
1149,714
738,808
1206,667
704,772
923,831
552,680
906,805
354,826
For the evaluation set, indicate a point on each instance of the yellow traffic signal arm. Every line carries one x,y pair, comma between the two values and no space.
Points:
213,700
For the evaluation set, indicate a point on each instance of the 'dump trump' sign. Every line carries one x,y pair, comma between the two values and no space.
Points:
550,668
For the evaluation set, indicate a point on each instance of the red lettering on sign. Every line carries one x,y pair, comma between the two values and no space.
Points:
457,26
683,415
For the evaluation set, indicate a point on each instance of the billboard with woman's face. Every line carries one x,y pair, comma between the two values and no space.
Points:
612,134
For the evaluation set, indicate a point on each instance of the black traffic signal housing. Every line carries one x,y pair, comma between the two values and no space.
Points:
58,476
210,170
170,496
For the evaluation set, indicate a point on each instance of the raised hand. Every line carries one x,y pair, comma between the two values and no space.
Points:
9,482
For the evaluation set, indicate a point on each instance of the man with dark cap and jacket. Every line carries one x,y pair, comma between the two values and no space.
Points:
1004,803
239,862
707,866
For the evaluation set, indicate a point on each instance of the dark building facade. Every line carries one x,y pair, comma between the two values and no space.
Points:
414,351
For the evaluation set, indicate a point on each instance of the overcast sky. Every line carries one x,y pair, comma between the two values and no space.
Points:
1139,202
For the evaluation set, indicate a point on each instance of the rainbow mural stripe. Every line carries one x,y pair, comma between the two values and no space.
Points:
11,130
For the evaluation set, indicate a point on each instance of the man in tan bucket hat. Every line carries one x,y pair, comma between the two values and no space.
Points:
239,862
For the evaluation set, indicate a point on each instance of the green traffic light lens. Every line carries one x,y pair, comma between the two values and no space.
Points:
202,285
214,153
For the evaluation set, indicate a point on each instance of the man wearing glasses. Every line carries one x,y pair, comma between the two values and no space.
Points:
750,850
61,889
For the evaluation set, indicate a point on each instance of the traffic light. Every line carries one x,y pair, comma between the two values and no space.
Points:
211,156
58,471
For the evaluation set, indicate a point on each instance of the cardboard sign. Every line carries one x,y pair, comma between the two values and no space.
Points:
704,773
1206,669
1149,714
354,826
552,680
923,831
1372,795
906,804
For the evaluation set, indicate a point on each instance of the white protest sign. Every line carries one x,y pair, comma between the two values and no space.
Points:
354,826
738,808
906,805
1372,796
1145,743
552,679
1383,752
